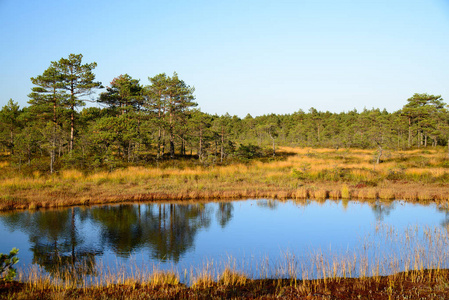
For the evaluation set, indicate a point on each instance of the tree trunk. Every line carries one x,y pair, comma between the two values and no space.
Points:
379,154
200,150
409,132
53,142
52,157
172,146
182,147
419,139
172,138
222,144
72,127
216,148
158,155
163,143
11,141
398,139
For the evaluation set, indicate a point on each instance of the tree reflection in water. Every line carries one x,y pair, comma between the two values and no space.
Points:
271,204
381,210
75,239
55,241
168,230
224,213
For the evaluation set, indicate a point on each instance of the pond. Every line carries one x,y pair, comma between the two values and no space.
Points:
262,238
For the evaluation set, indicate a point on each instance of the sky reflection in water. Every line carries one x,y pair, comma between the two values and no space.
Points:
182,236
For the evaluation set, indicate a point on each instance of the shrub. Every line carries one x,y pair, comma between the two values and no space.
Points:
7,261
248,151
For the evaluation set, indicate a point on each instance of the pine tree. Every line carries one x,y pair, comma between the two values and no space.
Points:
78,81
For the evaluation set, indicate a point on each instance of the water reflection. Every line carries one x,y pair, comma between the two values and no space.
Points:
224,213
445,222
168,230
381,210
77,238
55,243
270,204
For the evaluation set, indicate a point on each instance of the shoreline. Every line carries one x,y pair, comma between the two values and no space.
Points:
413,193
424,284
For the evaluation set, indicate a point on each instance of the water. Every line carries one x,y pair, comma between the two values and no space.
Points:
256,235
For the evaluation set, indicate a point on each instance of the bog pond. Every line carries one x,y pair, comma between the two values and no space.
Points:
262,238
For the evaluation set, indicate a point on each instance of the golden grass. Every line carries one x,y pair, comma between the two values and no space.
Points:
345,193
320,194
335,194
386,194
232,277
72,175
163,278
303,173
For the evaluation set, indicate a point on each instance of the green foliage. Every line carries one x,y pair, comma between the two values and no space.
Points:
124,95
396,173
9,124
301,173
7,262
148,124
248,151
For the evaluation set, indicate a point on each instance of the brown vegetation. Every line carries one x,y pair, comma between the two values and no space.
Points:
297,173
427,284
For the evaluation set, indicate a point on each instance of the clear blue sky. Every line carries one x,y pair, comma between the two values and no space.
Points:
256,57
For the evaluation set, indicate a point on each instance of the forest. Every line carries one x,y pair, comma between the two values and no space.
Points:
83,143
73,121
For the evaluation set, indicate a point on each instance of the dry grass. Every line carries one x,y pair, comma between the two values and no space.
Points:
300,173
387,194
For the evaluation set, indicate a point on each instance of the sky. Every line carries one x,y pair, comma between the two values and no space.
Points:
247,56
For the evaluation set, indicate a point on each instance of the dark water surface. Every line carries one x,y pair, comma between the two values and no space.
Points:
177,236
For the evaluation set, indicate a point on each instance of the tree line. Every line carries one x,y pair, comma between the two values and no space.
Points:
147,124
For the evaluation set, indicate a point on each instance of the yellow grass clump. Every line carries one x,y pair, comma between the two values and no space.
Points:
386,194
72,174
320,194
158,278
345,193
232,277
